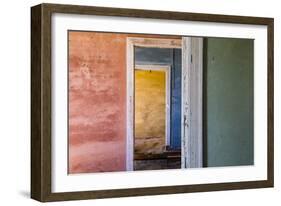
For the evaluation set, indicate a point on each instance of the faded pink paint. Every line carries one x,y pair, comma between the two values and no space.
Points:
97,102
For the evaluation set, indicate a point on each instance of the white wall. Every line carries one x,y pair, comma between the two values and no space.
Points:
15,102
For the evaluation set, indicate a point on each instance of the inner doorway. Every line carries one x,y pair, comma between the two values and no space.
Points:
152,119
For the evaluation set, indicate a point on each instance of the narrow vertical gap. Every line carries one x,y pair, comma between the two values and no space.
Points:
205,101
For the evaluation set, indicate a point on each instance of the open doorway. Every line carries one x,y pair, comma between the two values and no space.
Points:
164,130
157,104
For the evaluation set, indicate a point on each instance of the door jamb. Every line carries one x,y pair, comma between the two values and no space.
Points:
192,99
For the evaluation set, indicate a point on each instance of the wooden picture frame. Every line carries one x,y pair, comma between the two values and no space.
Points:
41,101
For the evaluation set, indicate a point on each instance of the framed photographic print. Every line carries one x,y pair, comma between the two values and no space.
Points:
132,102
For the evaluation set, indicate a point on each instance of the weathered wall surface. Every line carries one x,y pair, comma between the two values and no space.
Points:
97,102
150,115
228,102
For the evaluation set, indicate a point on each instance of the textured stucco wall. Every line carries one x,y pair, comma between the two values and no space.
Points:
150,115
228,102
97,102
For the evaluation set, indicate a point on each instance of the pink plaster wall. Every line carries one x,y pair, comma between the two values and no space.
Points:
97,102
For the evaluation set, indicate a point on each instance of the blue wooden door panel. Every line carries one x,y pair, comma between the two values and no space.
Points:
176,101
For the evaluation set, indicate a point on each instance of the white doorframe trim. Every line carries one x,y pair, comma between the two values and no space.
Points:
131,43
192,90
167,70
185,100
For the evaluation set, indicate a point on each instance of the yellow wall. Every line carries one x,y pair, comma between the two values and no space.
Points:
150,100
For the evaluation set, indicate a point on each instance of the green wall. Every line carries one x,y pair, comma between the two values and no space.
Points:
228,102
